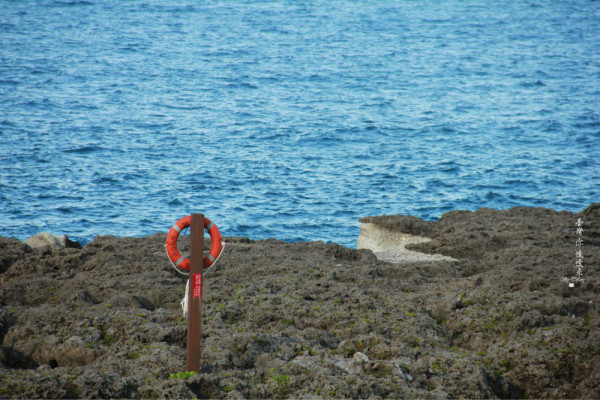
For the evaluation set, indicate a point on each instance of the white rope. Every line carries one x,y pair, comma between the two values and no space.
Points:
223,244
181,271
184,303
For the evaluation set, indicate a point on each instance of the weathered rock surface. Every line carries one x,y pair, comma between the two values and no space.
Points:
48,241
389,244
314,320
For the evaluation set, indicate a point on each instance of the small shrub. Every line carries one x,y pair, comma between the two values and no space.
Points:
281,380
227,388
109,339
183,375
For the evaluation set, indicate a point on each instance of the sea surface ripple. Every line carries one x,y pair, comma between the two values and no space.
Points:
292,119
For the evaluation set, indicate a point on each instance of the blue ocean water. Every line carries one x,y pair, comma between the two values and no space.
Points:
292,119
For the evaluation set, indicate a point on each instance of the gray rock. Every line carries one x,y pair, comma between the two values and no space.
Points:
49,241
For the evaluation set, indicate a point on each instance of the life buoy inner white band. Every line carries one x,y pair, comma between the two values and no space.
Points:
177,228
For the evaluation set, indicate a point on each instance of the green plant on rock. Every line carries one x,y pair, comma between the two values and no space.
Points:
227,388
109,339
508,316
182,375
436,366
491,324
415,343
281,380
238,295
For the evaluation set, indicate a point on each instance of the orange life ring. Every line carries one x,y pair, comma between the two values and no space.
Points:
176,257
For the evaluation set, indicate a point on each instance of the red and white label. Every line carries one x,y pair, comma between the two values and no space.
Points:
197,291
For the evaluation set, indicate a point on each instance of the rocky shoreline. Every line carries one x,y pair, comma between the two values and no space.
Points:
483,312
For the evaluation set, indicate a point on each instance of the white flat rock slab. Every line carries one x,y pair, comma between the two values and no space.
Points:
390,246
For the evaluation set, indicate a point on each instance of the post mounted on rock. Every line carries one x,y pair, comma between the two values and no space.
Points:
194,268
194,321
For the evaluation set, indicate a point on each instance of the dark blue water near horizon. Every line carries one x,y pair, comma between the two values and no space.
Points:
292,119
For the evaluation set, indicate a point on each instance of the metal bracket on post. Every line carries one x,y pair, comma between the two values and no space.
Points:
194,299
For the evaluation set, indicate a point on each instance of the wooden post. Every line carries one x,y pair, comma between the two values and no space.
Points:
194,321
